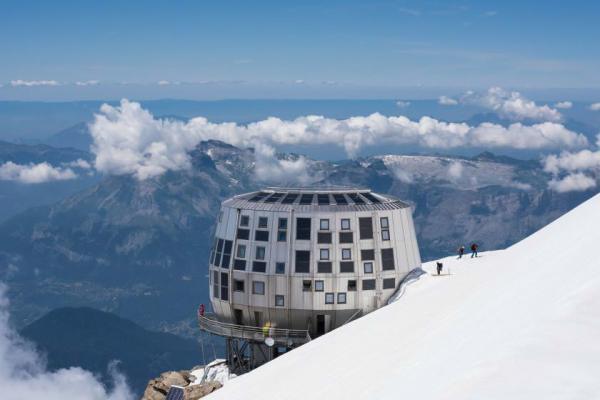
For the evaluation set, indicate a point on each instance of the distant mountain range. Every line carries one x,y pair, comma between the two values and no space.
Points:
129,246
92,339
16,197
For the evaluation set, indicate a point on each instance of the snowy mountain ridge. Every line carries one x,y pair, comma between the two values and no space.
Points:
519,323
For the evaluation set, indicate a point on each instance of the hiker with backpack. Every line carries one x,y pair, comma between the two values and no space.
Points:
474,248
461,251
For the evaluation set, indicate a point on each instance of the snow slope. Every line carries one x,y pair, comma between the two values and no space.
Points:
522,323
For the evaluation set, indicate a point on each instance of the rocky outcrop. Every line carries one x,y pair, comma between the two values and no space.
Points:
158,388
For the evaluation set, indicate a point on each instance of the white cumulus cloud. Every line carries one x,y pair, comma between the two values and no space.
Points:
573,182
23,374
79,163
455,171
595,106
20,82
87,83
34,173
129,140
565,105
447,101
568,161
511,105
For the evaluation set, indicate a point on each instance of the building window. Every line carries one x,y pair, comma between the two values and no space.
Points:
260,253
261,236
384,222
302,261
239,265
258,287
368,267
346,237
385,234
319,286
346,266
365,227
324,267
282,230
367,255
352,285
324,224
329,298
323,237
341,298
216,284
281,236
238,285
368,284
389,283
346,254
306,286
226,254
280,268
219,252
385,228
259,266
324,254
279,300
241,251
244,220
224,286
243,234
263,222
345,224
282,223
387,259
303,228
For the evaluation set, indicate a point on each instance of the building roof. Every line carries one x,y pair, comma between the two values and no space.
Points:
303,199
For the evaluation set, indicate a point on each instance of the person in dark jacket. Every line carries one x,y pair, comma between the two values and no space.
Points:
439,267
461,251
474,248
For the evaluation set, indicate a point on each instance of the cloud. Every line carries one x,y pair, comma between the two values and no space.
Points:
490,13
87,83
23,374
163,83
595,106
447,101
570,162
511,105
129,140
563,105
402,104
269,168
79,163
455,171
34,173
573,182
19,82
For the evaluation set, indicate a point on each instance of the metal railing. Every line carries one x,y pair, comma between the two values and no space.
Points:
209,323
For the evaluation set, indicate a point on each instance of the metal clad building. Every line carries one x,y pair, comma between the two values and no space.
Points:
309,259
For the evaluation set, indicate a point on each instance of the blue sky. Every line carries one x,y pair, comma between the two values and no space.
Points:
293,49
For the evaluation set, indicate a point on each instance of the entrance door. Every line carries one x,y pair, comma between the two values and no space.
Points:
238,316
320,324
257,318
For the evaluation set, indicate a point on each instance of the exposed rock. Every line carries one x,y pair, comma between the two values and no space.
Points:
197,391
158,388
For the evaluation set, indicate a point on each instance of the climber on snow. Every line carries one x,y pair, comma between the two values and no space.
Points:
461,251
474,248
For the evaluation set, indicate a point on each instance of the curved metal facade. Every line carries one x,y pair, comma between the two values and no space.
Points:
309,258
